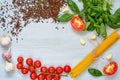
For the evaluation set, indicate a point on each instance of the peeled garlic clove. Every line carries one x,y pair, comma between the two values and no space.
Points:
7,55
5,40
109,57
9,66
94,37
82,41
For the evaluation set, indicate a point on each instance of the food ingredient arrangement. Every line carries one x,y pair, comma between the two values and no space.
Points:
95,15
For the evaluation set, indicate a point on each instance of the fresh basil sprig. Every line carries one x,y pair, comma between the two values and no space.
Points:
95,72
65,17
73,6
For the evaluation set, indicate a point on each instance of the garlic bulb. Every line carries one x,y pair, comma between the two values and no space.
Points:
7,55
5,40
9,66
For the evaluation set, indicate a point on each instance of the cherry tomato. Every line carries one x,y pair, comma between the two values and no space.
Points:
29,61
31,68
24,70
44,69
111,68
19,66
48,77
37,64
59,70
77,23
33,75
51,69
57,77
67,68
20,59
41,77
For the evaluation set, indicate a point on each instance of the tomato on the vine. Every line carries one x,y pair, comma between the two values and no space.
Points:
43,69
29,61
19,66
59,70
37,64
57,77
48,77
67,68
31,68
77,23
24,70
41,77
51,69
20,59
111,68
33,75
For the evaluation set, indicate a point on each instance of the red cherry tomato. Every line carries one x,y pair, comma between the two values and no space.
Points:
29,61
77,23
20,59
57,77
19,66
59,70
24,70
67,68
48,77
111,68
33,75
37,64
41,77
31,68
51,69
44,69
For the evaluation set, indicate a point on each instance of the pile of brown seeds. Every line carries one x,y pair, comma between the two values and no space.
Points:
16,15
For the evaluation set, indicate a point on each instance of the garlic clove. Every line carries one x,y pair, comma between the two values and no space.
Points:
82,41
7,55
65,10
94,37
5,40
109,57
9,67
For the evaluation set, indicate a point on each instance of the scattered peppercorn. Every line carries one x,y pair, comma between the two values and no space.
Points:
16,15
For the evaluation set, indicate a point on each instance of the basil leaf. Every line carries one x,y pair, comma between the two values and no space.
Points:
73,6
89,26
117,13
98,30
65,17
103,30
81,13
95,72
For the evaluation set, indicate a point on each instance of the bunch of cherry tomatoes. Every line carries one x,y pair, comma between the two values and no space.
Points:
39,72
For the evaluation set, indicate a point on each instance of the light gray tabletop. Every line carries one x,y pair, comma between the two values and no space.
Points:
57,47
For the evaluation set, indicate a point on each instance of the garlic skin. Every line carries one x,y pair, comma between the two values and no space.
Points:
9,67
5,40
7,55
